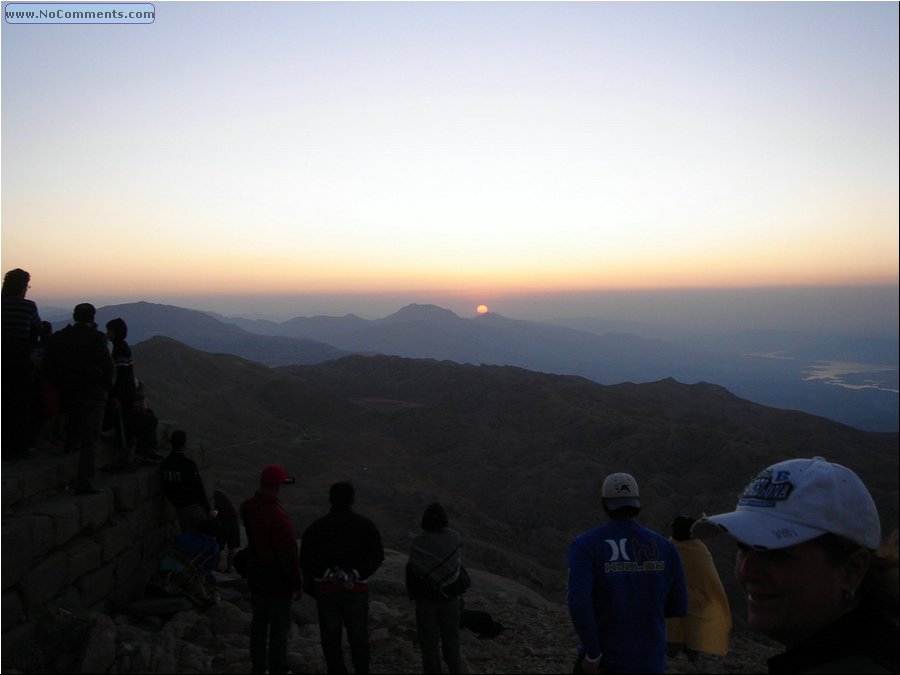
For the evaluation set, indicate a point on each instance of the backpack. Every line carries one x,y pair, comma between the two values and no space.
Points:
180,575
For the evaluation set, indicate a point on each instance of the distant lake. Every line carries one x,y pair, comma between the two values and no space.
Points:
852,375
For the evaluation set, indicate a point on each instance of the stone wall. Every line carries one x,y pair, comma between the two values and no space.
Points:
86,552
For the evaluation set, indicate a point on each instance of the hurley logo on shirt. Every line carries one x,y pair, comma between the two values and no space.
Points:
644,556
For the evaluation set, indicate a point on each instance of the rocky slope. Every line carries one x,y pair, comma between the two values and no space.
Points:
537,635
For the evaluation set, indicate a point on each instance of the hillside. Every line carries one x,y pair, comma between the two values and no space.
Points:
516,456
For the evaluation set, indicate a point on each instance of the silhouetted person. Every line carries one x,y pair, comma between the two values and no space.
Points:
124,390
624,581
338,554
707,626
273,573
78,363
126,394
20,330
434,566
183,485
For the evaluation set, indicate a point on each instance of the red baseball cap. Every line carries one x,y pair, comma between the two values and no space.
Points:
273,475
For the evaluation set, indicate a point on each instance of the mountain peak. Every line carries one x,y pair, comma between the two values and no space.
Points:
416,312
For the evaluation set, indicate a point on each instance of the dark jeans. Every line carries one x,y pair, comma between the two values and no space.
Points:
438,623
337,610
83,435
269,631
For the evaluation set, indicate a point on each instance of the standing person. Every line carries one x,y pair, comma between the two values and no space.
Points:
707,626
78,363
338,554
229,536
434,565
624,581
126,394
811,567
183,485
21,325
274,572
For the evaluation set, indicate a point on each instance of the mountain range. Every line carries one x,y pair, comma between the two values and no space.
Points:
785,369
516,456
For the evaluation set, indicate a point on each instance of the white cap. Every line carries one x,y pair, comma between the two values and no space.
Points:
797,500
619,490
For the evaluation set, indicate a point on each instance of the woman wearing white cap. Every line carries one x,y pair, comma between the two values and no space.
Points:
808,532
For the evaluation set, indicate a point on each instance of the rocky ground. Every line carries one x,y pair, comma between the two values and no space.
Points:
537,636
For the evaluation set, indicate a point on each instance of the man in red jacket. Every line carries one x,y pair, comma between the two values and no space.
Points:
274,571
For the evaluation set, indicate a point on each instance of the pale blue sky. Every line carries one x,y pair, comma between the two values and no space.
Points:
470,148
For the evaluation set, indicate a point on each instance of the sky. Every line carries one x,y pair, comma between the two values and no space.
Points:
347,155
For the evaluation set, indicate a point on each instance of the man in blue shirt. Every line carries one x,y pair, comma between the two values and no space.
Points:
624,581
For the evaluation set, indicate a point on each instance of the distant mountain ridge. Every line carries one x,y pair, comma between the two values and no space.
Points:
770,367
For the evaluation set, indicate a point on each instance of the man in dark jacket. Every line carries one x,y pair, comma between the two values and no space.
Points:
78,363
273,573
338,554
183,485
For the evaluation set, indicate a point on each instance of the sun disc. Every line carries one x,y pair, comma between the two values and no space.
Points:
482,309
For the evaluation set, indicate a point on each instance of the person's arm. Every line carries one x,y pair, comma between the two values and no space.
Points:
284,541
579,598
374,553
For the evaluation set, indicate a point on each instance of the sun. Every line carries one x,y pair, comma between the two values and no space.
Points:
482,309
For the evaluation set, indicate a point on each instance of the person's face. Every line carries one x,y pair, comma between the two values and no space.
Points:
791,592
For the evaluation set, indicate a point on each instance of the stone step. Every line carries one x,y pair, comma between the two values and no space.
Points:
88,551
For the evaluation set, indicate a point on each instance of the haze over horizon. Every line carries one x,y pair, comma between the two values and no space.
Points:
722,165
846,310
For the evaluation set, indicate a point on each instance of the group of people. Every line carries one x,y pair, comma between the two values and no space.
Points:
809,560
73,373
338,554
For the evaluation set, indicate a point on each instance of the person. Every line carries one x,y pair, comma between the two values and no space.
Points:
707,626
125,395
229,536
183,485
434,566
624,581
20,330
274,573
811,568
78,364
338,554
201,547
118,413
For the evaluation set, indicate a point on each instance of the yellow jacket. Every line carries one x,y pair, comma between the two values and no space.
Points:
707,626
